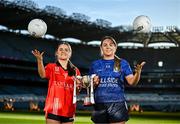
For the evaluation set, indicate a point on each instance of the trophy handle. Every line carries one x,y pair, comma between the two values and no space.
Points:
74,90
92,89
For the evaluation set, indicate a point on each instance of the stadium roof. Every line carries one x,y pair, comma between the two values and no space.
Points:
16,16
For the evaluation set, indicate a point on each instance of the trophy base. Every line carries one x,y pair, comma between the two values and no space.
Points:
87,101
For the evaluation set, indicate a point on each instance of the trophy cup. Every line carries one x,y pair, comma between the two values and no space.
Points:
87,81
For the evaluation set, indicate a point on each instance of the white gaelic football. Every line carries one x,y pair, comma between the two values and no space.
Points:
37,27
142,24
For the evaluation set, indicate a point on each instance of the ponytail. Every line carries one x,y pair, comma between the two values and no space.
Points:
71,69
117,64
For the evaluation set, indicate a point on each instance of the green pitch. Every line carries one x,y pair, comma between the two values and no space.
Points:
135,118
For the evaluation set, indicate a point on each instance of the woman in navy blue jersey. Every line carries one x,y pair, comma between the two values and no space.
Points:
110,104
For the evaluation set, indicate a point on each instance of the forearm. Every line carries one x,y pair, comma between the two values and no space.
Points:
136,78
133,79
41,69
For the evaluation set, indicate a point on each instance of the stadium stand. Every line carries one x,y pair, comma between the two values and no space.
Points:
18,75
158,88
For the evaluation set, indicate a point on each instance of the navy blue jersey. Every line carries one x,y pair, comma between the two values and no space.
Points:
111,86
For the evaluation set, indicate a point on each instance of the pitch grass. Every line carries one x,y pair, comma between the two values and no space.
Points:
82,118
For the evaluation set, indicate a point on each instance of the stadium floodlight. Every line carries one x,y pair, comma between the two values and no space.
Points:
160,63
71,40
158,29
130,44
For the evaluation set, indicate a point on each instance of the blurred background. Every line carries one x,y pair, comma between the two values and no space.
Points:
22,89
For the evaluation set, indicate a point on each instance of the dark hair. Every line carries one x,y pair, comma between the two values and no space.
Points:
70,68
117,63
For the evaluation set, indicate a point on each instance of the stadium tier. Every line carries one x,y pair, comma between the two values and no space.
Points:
18,70
21,86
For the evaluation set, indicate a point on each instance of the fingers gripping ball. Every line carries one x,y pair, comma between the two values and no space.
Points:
37,28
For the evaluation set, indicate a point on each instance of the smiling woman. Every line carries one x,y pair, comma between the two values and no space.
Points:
61,98
111,71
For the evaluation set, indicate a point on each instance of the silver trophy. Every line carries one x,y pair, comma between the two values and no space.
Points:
87,81
74,91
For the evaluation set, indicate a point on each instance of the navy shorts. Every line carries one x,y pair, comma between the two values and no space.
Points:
60,118
110,112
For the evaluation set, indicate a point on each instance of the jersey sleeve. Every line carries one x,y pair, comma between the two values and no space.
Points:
48,70
126,68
